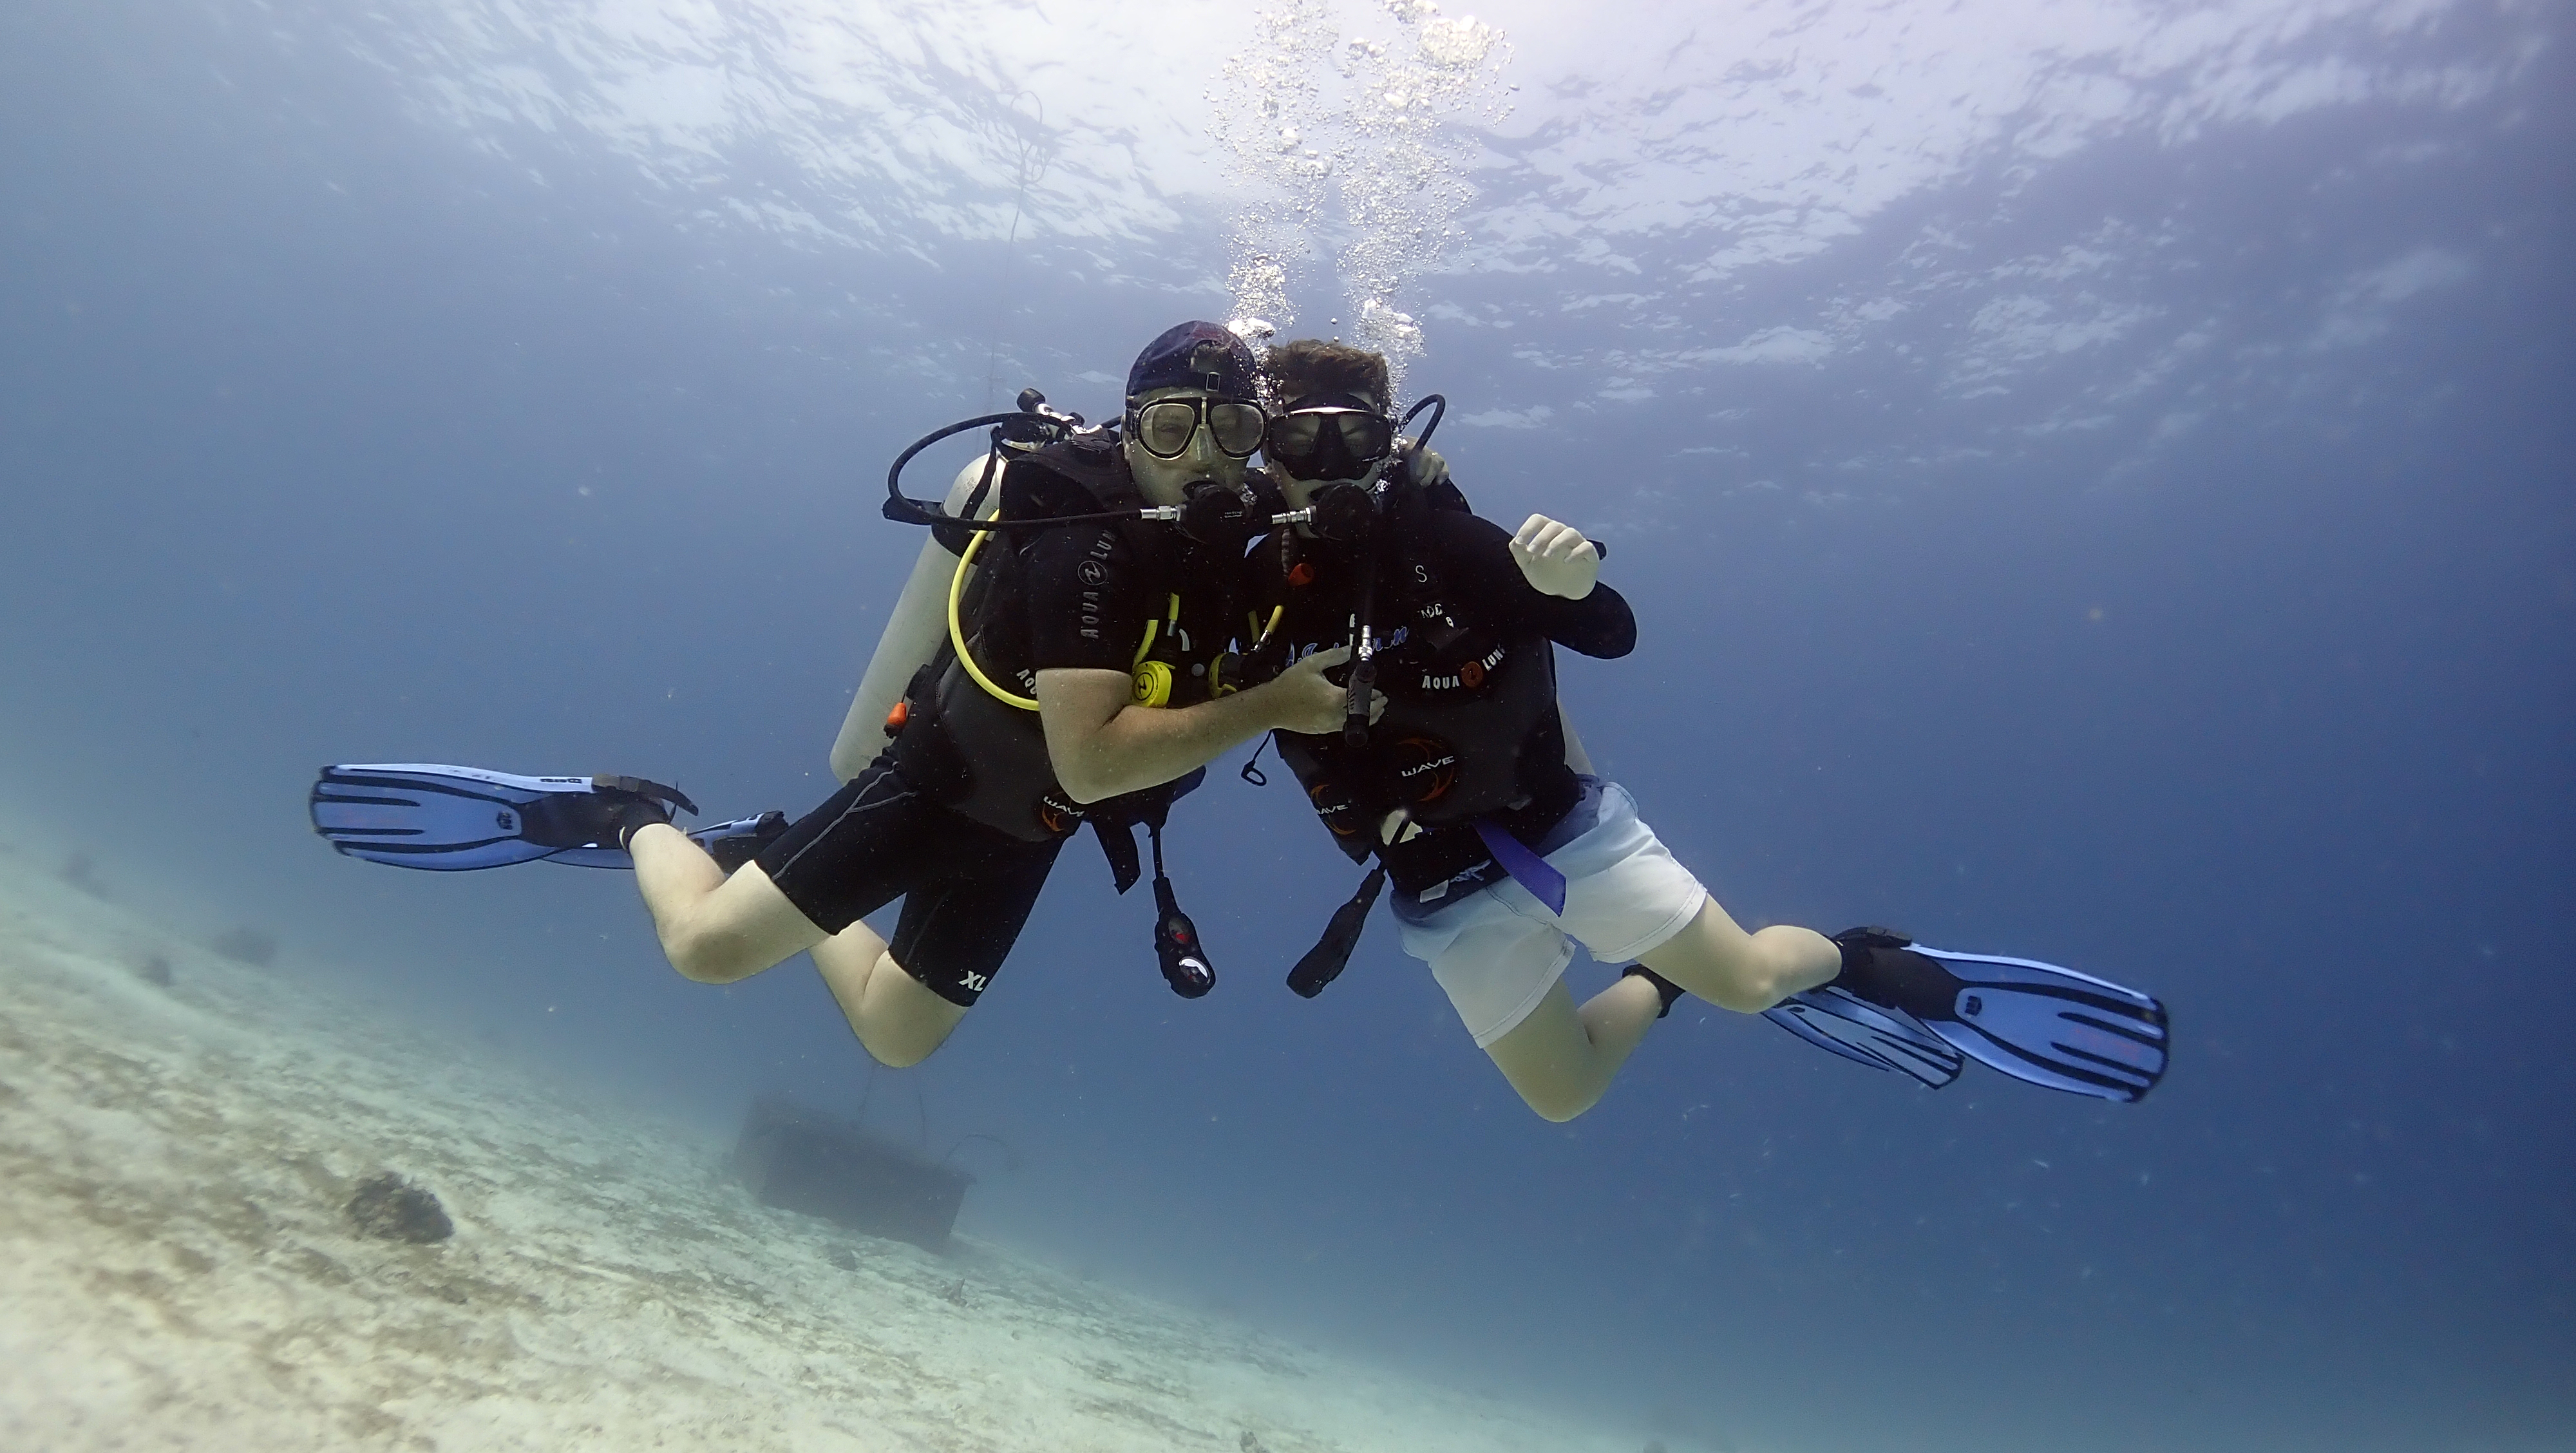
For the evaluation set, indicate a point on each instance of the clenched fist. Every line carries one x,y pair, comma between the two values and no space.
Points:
1555,558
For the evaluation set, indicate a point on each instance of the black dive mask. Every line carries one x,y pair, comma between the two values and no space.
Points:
1328,436
1165,427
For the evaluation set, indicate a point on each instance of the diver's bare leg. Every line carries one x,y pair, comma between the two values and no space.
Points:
1561,1059
714,929
1745,972
718,929
897,1020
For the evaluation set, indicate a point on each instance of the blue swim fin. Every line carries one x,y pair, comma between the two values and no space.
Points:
451,819
1833,1020
2033,1021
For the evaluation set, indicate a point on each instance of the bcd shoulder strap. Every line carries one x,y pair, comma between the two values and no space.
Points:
1075,477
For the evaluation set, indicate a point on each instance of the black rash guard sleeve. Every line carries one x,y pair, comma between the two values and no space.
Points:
1476,556
1084,598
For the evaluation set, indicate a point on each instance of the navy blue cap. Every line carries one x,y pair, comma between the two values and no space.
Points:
1195,355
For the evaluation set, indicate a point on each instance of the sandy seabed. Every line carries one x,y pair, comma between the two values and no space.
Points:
177,1270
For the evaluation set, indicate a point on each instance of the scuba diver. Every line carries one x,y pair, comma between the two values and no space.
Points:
1081,676
1503,848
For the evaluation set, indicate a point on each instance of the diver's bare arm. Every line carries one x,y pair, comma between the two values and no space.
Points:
1103,745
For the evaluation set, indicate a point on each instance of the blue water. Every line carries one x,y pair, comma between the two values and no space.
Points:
2133,529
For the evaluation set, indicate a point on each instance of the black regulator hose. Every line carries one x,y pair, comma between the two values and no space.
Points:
1208,518
1363,668
1439,405
905,510
1364,643
1029,421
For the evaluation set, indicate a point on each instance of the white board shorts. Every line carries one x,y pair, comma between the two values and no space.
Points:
1496,950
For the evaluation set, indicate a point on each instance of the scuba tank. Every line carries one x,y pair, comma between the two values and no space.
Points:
914,632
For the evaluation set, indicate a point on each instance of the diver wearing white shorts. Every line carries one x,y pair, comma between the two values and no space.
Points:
1504,852
1497,950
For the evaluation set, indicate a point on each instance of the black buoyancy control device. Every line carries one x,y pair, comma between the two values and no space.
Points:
1369,514
987,756
1448,746
1449,751
1008,780
1445,763
1442,763
1463,709
1460,700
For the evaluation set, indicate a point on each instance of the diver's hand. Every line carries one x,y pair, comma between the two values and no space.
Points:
1429,469
1555,558
1303,701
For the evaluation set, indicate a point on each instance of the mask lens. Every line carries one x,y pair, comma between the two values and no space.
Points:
1365,436
1235,427
1165,426
1293,435
1342,511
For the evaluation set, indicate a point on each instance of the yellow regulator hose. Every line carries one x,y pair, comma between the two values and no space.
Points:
957,631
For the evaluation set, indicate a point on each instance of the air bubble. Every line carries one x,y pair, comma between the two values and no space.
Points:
1382,173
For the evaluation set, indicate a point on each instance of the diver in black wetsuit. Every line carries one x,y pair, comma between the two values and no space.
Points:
1502,855
1091,680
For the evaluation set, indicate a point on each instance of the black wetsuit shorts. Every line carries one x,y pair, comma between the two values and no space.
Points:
966,888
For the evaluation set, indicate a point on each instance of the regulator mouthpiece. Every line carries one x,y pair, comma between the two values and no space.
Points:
1219,517
1342,511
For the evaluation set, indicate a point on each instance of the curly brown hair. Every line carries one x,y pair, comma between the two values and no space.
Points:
1306,366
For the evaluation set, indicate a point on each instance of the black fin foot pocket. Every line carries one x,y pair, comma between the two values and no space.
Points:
1665,989
1880,967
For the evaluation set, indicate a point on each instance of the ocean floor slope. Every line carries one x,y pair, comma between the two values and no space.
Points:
180,1137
